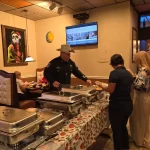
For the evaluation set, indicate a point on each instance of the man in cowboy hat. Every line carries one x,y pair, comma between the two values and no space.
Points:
59,70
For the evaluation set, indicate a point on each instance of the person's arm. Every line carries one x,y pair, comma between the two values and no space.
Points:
111,85
141,81
132,74
78,73
48,74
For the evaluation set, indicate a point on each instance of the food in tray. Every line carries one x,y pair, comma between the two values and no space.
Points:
101,83
97,87
98,83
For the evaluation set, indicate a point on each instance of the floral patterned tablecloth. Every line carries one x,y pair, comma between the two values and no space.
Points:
80,132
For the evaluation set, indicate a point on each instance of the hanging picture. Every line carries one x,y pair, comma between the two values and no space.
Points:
14,46
134,43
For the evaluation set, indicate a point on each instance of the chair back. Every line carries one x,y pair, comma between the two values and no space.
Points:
8,89
39,74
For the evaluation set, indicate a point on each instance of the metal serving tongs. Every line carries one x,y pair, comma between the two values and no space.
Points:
60,90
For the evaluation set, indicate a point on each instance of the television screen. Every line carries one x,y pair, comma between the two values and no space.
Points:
83,34
145,45
144,21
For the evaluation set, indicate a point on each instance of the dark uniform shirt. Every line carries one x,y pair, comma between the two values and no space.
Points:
60,70
123,80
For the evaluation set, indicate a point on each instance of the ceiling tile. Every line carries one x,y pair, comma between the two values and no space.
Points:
81,7
99,3
70,2
19,12
40,11
147,1
35,17
16,3
4,7
36,1
121,0
142,8
67,11
138,2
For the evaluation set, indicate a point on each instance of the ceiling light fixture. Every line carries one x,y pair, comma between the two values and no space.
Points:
53,6
28,58
60,10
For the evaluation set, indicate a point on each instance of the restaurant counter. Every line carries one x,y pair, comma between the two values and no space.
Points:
80,132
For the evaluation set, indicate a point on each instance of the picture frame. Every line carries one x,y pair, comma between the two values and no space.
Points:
134,43
14,46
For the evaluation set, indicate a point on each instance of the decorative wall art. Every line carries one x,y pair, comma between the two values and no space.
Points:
49,37
14,46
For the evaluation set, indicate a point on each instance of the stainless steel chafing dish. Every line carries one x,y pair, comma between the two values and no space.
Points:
53,121
16,125
69,103
90,93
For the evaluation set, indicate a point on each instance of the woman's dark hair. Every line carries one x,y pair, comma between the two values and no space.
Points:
116,59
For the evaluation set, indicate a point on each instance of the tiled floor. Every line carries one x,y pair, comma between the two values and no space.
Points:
104,142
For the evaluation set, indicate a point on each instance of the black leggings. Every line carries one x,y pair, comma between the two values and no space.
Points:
119,113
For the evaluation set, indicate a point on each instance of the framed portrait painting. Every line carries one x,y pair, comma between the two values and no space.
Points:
14,46
134,43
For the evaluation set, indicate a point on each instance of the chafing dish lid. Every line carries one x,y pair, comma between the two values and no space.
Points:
66,94
12,115
47,114
61,97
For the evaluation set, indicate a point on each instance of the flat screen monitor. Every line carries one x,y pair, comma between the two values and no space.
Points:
82,34
145,45
145,21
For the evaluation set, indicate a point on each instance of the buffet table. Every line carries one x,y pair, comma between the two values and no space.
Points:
80,132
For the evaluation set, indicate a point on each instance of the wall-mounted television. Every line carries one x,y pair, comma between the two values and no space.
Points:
82,34
145,21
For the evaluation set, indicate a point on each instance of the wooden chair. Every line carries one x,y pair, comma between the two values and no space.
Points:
8,92
40,75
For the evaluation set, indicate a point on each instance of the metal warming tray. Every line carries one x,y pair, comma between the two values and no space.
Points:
17,124
66,101
11,119
90,93
61,97
53,121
